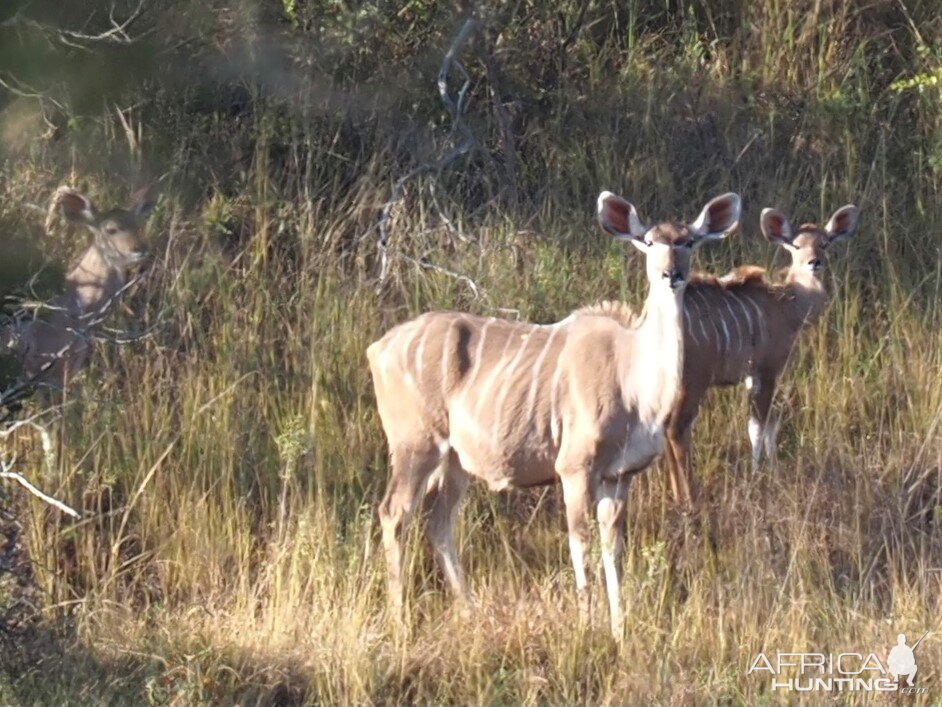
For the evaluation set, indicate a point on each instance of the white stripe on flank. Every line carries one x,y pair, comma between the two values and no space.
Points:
722,318
495,371
403,354
509,379
688,327
706,335
420,355
413,332
745,310
445,355
709,316
537,367
554,400
759,315
739,330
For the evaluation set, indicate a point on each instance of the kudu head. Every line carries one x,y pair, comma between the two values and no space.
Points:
668,246
808,246
118,232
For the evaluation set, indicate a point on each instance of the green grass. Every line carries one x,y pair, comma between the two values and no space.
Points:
187,583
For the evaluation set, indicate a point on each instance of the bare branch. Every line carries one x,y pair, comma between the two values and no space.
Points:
24,91
424,264
117,32
6,473
455,109
29,422
396,194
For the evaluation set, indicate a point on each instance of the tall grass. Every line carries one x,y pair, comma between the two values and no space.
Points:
231,463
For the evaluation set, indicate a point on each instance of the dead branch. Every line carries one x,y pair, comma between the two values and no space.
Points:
7,473
425,264
396,195
117,32
455,108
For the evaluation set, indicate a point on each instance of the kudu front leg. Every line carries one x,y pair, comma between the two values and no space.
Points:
611,511
577,498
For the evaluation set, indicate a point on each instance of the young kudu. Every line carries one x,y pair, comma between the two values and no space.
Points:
743,328
54,345
582,401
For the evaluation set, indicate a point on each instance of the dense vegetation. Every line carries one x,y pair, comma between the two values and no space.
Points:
229,460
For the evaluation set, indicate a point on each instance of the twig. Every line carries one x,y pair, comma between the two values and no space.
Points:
117,33
28,422
5,473
424,264
29,92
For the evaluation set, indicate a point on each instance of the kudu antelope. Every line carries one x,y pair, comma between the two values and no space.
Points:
516,404
54,344
742,327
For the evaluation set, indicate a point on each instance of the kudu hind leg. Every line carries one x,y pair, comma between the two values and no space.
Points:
762,429
443,502
670,460
679,430
411,466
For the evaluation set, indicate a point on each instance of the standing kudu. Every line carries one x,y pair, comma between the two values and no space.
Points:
54,344
515,404
743,328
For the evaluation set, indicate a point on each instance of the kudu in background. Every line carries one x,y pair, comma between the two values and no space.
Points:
53,344
742,327
582,401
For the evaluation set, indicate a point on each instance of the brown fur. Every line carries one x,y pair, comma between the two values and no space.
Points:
744,327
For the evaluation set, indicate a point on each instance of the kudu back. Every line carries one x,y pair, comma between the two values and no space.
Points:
53,344
743,328
582,401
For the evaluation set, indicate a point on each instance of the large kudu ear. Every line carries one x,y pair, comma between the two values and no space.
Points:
776,228
143,201
719,218
620,218
843,224
74,206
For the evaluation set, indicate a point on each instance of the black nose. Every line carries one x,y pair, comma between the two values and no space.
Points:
815,263
675,277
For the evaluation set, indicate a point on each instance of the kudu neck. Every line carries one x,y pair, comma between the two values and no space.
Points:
809,295
659,356
93,283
